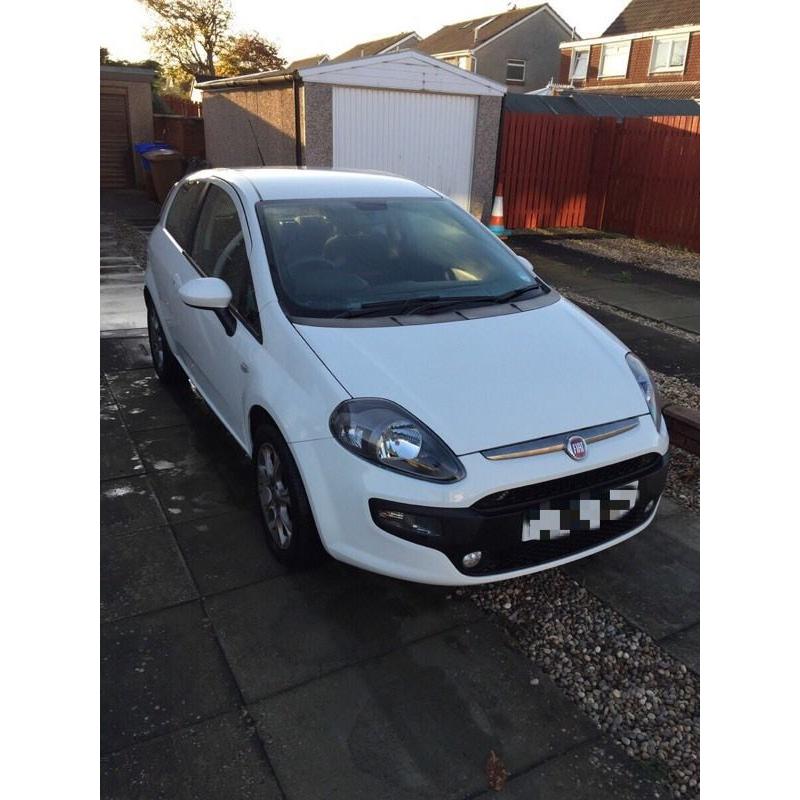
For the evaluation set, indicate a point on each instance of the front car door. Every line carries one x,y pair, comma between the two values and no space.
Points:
223,345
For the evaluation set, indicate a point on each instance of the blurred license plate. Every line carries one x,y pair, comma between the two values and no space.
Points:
555,520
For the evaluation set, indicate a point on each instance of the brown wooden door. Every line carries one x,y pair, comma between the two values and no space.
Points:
116,161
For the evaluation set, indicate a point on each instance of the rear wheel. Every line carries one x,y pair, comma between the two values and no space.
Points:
164,362
289,524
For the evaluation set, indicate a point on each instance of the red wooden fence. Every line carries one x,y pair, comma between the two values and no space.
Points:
640,176
182,106
183,133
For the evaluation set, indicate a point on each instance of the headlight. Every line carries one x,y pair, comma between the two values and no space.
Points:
383,433
648,387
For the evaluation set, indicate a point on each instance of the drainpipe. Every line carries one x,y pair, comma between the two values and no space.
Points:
298,143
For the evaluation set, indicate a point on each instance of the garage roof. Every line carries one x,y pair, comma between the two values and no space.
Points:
407,70
597,105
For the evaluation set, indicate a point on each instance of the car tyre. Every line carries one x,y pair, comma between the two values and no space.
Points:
164,362
285,511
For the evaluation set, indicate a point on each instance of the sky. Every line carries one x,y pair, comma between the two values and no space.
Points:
303,28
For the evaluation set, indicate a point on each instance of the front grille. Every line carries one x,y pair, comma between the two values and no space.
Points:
534,553
619,473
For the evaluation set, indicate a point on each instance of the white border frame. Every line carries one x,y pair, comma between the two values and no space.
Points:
575,51
624,73
516,62
678,37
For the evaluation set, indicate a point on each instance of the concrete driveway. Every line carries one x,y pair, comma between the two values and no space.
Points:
224,677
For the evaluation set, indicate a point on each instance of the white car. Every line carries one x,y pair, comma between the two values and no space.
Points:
415,400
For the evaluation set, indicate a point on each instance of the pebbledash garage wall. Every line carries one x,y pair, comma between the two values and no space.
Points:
404,113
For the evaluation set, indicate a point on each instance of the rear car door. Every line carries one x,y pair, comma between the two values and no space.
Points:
222,345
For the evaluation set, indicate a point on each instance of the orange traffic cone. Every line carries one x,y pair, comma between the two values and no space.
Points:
496,221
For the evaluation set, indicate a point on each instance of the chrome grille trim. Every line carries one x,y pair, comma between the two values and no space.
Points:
552,444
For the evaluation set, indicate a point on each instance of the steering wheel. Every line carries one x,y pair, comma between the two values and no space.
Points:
227,253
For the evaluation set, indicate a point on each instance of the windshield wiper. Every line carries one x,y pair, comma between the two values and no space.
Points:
515,293
440,304
427,305
385,307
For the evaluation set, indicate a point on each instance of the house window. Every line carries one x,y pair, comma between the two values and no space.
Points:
669,53
465,62
515,71
580,64
614,60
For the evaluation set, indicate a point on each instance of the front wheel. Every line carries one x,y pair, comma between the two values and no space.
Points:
285,511
164,362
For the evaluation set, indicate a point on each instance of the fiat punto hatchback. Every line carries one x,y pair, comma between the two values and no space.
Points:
415,400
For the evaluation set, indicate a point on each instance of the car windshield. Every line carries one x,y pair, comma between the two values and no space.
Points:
350,257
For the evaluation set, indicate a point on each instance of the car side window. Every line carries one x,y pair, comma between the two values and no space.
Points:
183,211
219,251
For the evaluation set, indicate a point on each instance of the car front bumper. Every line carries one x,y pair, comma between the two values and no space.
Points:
483,512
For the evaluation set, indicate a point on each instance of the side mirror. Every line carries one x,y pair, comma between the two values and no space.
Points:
211,293
527,264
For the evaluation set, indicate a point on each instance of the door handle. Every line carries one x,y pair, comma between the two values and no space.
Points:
244,367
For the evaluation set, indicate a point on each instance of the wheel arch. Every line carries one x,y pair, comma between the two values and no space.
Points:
258,415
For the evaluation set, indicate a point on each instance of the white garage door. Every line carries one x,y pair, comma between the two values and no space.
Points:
424,136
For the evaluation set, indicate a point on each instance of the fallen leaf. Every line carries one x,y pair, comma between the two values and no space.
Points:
496,772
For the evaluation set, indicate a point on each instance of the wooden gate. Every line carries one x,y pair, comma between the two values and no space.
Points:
116,157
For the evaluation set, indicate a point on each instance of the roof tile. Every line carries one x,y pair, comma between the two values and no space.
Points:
652,15
463,35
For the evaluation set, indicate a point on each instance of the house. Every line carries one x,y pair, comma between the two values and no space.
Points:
311,61
379,47
518,48
652,48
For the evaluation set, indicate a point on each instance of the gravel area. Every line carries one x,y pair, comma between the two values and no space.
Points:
677,390
635,691
652,323
637,253
683,479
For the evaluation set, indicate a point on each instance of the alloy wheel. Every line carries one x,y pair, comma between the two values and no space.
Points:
156,337
273,495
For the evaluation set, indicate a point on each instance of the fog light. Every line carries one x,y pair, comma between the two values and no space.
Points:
471,560
401,523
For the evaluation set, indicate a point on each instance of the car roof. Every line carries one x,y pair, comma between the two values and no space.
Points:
282,183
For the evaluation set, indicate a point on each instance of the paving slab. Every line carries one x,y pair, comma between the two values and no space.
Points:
418,723
129,504
633,297
690,323
652,579
288,630
120,353
160,672
144,402
188,494
591,771
685,646
118,456
141,571
227,552
220,759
